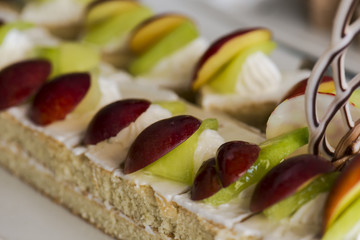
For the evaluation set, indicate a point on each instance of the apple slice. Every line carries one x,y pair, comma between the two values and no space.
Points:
99,11
175,107
272,152
59,97
114,117
178,38
345,192
19,81
234,159
71,57
115,27
166,148
153,29
286,179
225,80
206,182
224,50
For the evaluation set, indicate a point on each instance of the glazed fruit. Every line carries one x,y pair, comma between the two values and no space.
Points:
289,178
176,39
206,182
224,50
70,57
225,80
166,148
234,159
152,30
272,152
342,198
111,119
59,97
105,27
19,81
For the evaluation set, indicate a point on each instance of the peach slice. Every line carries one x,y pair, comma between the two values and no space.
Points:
345,191
223,50
21,80
153,29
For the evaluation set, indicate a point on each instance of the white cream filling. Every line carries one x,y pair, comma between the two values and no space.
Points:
175,71
19,44
259,81
56,12
109,154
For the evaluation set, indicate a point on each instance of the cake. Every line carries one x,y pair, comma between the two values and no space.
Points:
161,168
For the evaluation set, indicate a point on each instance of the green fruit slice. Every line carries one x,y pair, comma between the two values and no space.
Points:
116,27
272,152
178,164
71,57
290,205
346,222
175,107
225,81
175,40
4,29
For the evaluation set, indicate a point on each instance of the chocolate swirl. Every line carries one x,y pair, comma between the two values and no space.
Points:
343,34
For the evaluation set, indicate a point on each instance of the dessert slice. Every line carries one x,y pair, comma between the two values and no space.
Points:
108,24
236,76
166,48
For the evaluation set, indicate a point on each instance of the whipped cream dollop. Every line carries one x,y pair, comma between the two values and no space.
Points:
259,74
110,153
20,44
175,71
56,12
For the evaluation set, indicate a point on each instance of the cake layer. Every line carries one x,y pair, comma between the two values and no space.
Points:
104,217
141,203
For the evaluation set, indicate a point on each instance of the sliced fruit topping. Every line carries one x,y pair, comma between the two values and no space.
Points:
344,193
153,29
111,119
166,148
286,179
19,81
225,80
272,152
224,50
175,107
104,26
71,57
234,159
5,28
206,182
59,97
176,39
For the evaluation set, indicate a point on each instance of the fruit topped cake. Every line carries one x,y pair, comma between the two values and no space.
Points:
138,162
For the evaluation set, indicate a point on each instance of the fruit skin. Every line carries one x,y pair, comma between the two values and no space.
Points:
223,50
150,31
225,80
58,98
111,119
21,80
287,178
289,205
234,159
344,193
178,38
159,139
272,152
207,181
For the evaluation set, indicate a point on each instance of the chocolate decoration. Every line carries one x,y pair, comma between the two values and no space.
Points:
343,34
